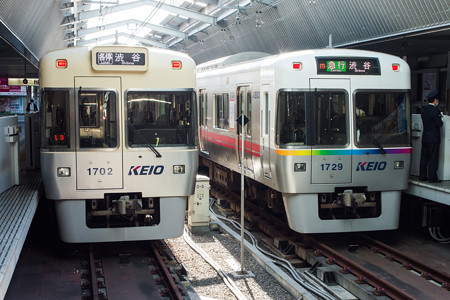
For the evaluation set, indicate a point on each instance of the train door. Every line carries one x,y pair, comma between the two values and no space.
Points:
265,131
244,104
98,150
330,134
203,100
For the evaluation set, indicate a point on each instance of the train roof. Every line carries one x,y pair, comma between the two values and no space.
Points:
89,48
245,57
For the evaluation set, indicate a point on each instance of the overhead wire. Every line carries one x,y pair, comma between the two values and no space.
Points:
147,19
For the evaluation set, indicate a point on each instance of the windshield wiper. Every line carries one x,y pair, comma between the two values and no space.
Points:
377,143
143,138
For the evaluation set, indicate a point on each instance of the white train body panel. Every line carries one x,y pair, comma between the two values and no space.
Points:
335,147
119,141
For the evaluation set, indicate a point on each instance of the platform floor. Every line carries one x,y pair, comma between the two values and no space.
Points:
17,208
437,192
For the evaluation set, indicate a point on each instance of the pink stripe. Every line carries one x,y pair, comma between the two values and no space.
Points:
230,142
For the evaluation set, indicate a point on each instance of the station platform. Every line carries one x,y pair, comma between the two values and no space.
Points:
18,205
437,192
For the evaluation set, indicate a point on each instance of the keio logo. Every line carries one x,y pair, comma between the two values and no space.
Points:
371,166
146,170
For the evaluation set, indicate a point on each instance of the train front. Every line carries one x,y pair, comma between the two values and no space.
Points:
345,140
119,148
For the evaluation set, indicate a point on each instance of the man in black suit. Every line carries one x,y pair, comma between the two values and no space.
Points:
431,138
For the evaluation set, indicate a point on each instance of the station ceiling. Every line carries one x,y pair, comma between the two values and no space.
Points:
209,29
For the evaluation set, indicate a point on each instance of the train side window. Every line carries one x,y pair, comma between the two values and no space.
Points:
249,113
56,115
203,107
221,102
97,119
266,115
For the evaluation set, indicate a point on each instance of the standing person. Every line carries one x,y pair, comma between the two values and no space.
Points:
431,138
31,106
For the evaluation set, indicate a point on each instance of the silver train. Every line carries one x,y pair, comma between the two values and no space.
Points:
119,141
327,141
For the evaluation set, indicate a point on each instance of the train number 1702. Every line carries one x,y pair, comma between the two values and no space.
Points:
332,167
100,171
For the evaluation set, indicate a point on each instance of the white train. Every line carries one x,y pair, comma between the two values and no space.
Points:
328,137
119,141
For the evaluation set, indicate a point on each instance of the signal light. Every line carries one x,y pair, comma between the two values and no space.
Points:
297,65
176,65
61,63
395,67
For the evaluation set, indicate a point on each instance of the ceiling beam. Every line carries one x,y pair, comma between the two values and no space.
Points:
267,2
164,30
136,4
122,34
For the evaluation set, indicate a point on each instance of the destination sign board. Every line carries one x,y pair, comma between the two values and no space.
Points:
348,66
120,58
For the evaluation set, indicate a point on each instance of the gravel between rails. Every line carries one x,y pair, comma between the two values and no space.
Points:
226,252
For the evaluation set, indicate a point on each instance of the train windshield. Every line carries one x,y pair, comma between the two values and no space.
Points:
163,118
55,112
312,118
291,118
382,119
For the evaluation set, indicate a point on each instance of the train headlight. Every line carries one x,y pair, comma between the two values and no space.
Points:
399,164
63,172
300,167
179,169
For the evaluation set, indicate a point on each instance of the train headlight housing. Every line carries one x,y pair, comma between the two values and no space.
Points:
179,169
300,167
63,172
399,164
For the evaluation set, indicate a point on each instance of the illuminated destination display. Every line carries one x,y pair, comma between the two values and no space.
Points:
58,139
348,66
120,59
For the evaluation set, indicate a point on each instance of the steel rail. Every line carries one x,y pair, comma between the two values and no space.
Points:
94,285
382,287
407,262
166,273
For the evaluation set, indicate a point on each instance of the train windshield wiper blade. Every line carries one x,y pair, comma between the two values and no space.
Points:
147,142
377,143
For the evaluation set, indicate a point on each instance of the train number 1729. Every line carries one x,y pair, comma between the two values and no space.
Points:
332,167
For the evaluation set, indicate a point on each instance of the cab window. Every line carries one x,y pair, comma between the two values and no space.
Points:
165,118
382,118
56,119
97,119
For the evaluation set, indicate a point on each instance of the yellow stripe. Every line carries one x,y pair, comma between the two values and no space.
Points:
293,152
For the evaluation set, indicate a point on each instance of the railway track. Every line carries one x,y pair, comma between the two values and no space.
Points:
367,268
135,271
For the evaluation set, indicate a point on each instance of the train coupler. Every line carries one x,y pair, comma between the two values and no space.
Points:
350,199
126,206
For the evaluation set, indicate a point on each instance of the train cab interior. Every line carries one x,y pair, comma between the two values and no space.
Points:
160,119
98,119
380,118
317,118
